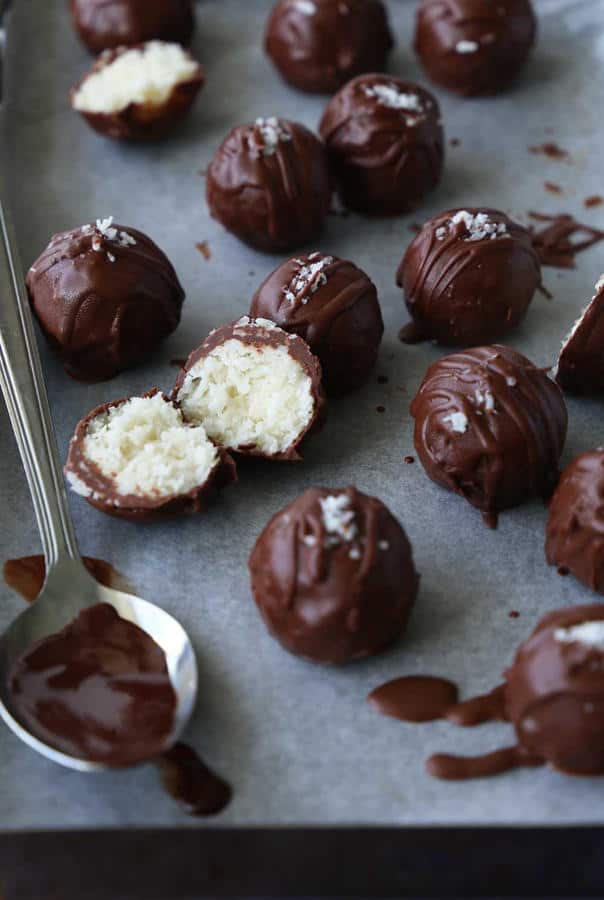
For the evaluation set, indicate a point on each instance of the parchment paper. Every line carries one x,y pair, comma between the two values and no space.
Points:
297,741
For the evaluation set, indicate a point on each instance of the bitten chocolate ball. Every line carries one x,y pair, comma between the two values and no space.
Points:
269,184
474,47
554,691
106,24
385,143
575,523
490,426
138,93
255,389
319,45
333,305
468,277
139,459
580,368
105,297
333,576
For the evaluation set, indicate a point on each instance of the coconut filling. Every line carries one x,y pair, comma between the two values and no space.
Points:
247,395
147,450
145,76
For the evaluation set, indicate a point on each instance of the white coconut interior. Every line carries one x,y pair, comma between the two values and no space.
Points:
245,394
147,449
145,75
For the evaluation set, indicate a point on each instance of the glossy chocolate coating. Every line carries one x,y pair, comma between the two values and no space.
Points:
319,45
273,198
575,523
490,426
384,158
104,495
106,24
258,335
104,310
461,291
554,694
330,600
580,367
333,305
474,47
98,690
141,122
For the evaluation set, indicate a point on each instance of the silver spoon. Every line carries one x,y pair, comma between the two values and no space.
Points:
68,588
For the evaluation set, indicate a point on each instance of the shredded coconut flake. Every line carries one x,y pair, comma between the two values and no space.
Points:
383,545
458,421
467,47
310,276
354,553
306,7
272,133
310,540
486,400
589,633
600,284
389,95
338,517
511,381
478,227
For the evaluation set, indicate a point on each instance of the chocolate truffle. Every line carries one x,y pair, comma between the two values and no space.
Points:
474,47
319,45
269,184
105,296
333,576
138,93
385,144
490,426
333,305
580,368
554,691
106,24
255,389
139,459
468,277
575,523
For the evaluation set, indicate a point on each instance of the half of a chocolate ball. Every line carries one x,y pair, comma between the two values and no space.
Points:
580,368
490,426
139,459
269,184
255,388
554,691
575,522
468,277
333,576
105,296
138,93
319,45
106,24
474,47
333,305
385,142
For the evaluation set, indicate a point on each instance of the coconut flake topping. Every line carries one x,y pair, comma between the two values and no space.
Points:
391,96
338,518
600,284
306,7
467,47
310,276
458,422
478,227
589,633
104,230
272,133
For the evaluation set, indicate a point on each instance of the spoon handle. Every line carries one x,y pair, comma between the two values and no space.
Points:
24,391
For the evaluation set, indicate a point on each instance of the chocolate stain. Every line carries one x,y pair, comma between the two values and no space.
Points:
26,575
551,150
409,460
459,768
454,142
595,200
415,698
380,409
204,249
513,614
552,187
563,570
554,242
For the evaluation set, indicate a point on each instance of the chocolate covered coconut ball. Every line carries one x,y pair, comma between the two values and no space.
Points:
333,576
554,691
333,305
490,426
106,24
468,277
474,47
138,459
255,389
385,142
580,368
319,45
575,522
269,184
138,93
105,296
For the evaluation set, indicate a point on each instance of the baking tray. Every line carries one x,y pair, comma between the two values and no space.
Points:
299,744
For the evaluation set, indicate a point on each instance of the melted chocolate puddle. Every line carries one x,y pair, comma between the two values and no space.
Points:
554,242
460,768
184,775
415,698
